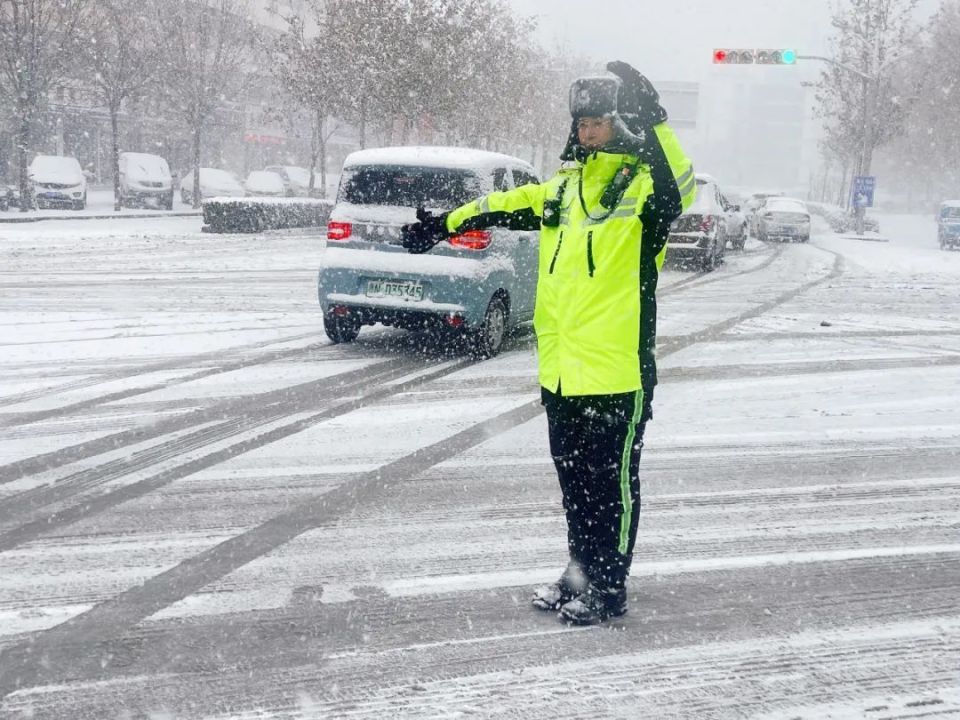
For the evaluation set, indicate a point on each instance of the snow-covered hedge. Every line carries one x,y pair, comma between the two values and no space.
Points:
253,214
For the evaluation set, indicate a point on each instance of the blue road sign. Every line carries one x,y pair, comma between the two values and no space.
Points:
863,187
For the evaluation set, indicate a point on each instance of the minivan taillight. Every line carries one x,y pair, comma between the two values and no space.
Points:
472,240
339,231
706,225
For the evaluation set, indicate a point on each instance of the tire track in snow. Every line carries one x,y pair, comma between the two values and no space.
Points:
116,615
110,618
329,387
506,658
341,399
170,364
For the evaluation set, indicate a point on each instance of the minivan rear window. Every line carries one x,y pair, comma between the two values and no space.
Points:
406,186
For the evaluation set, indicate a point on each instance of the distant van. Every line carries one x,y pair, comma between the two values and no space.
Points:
948,225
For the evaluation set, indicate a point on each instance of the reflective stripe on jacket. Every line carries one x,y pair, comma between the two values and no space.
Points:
682,168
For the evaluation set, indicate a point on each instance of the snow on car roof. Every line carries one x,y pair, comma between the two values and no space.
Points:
786,202
950,203
433,156
53,163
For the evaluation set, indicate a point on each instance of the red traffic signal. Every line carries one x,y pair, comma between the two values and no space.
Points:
733,56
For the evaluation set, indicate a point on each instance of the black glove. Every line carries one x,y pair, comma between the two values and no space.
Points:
638,101
646,415
423,235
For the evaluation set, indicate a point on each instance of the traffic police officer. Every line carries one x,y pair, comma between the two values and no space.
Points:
603,221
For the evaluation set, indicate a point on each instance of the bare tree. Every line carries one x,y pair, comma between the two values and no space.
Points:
123,58
309,79
38,42
930,152
209,48
857,94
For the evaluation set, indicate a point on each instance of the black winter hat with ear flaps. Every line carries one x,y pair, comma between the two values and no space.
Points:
638,104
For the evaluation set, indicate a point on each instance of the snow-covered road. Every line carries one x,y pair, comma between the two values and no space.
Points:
208,511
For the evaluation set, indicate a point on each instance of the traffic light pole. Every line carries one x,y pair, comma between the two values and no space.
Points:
866,149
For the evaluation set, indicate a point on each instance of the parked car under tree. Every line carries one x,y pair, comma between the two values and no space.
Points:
57,181
213,183
145,179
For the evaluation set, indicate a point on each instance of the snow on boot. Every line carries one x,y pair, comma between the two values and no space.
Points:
553,596
594,606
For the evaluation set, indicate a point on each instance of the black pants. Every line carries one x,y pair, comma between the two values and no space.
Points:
596,441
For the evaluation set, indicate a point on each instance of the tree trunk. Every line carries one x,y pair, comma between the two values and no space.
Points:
23,142
363,123
322,159
115,156
196,165
316,138
843,197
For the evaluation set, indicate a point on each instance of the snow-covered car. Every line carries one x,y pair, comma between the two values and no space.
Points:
701,234
296,180
478,284
948,225
783,218
145,179
753,205
213,183
57,181
262,183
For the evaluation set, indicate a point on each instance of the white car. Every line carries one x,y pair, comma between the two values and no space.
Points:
145,178
262,183
737,229
213,183
296,180
57,181
783,218
753,205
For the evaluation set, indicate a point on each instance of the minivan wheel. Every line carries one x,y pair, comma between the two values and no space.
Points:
487,340
341,328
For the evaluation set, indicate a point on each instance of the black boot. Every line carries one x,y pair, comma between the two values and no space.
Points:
594,606
553,596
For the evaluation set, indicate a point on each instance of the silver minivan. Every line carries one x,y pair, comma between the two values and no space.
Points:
477,285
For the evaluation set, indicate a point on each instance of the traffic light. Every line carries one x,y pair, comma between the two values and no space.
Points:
778,56
751,56
733,56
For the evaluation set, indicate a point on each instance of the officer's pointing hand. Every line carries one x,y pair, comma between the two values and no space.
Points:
423,235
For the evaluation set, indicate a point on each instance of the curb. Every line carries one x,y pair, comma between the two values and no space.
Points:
111,216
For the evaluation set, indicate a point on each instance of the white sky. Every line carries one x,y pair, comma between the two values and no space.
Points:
674,40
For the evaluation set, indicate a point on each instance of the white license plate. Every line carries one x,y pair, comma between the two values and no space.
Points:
404,289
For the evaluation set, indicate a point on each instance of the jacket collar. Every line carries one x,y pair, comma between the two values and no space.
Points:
604,164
